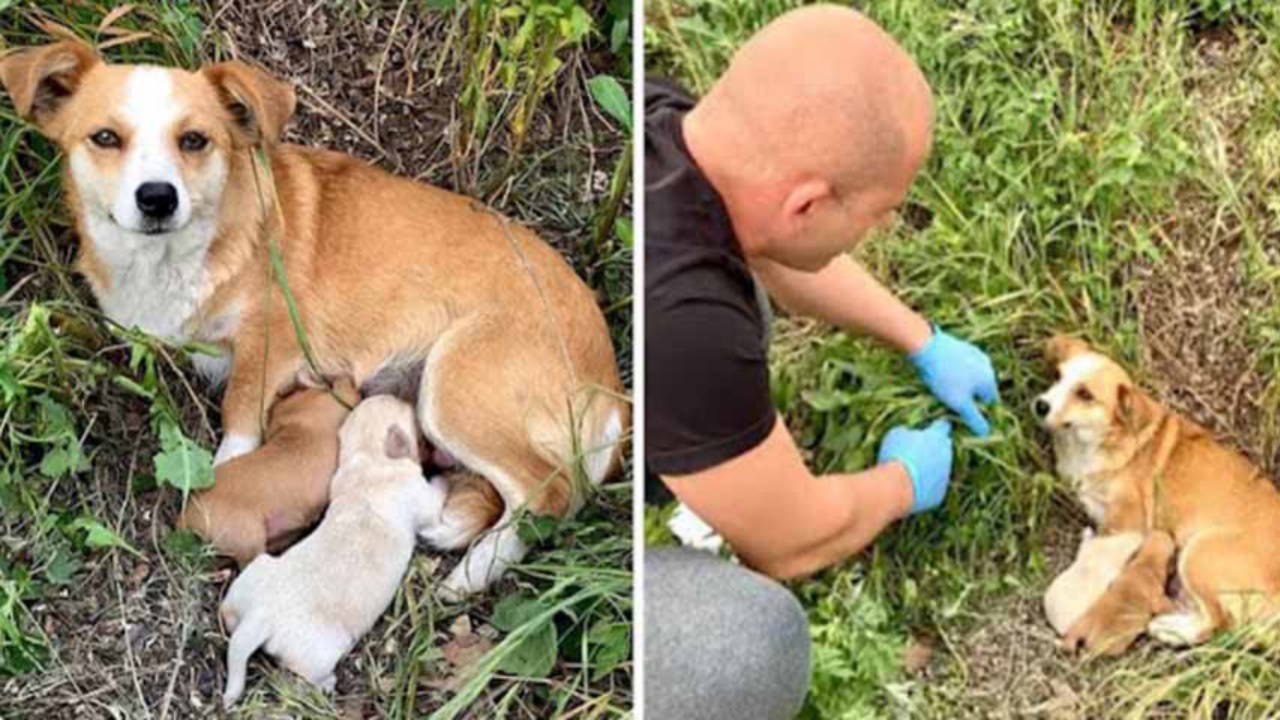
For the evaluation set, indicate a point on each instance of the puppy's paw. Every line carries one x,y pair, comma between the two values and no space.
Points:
233,446
1177,629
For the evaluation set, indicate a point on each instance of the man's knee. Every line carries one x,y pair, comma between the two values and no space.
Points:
721,641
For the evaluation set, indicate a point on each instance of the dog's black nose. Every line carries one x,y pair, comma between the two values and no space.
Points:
1041,407
157,200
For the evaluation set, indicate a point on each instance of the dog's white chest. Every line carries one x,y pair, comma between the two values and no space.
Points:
1076,462
156,286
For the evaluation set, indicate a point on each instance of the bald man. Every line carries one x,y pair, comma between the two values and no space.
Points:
809,140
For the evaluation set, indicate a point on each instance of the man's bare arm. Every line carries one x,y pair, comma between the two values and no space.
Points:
784,521
844,294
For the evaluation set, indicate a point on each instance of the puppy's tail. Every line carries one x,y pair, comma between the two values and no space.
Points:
472,506
245,640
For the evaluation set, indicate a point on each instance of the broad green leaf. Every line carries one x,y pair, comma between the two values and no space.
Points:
535,656
612,98
182,463
513,611
62,567
611,647
99,536
57,462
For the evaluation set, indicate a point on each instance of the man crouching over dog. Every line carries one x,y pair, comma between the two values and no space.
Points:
809,140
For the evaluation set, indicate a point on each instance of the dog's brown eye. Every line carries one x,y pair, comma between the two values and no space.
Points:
104,138
1083,394
192,141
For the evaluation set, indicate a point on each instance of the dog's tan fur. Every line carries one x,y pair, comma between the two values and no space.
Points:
1116,619
260,499
520,379
1137,465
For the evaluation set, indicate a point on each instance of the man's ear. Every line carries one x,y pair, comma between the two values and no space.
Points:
802,198
260,104
399,445
1135,409
1059,348
41,79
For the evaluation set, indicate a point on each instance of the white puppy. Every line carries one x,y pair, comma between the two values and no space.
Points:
310,606
1099,561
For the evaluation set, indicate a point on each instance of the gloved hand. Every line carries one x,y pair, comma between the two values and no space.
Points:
927,456
956,372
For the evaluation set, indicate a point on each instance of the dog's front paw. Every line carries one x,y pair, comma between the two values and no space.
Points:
460,586
1177,629
233,446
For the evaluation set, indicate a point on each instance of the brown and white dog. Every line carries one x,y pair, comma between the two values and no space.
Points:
1136,465
178,182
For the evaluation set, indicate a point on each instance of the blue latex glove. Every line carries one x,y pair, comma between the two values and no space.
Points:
956,372
927,456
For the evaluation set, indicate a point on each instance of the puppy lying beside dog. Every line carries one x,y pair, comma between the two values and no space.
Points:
301,606
264,497
1097,563
1137,466
1115,620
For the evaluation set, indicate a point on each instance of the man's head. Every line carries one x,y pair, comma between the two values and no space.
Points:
813,135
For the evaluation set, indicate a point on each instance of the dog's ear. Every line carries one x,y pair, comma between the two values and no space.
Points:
399,445
1135,409
260,104
41,79
1060,348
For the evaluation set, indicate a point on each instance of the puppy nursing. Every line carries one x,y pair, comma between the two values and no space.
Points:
260,498
300,606
1137,466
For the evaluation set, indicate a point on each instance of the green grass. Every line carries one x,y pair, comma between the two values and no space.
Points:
103,607
1075,143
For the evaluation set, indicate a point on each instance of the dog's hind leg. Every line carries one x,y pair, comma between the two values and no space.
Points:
490,393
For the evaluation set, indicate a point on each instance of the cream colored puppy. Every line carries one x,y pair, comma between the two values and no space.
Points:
1098,562
310,606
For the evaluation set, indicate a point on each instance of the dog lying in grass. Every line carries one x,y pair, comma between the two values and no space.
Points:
1138,466
1098,562
1115,619
183,194
260,500
310,606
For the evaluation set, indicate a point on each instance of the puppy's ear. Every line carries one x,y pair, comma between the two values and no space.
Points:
260,104
1060,348
1135,409
41,79
399,445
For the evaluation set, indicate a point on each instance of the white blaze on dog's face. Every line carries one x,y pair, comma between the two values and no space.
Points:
1092,396
148,151
148,148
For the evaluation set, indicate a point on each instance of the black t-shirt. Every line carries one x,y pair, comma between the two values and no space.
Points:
707,394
